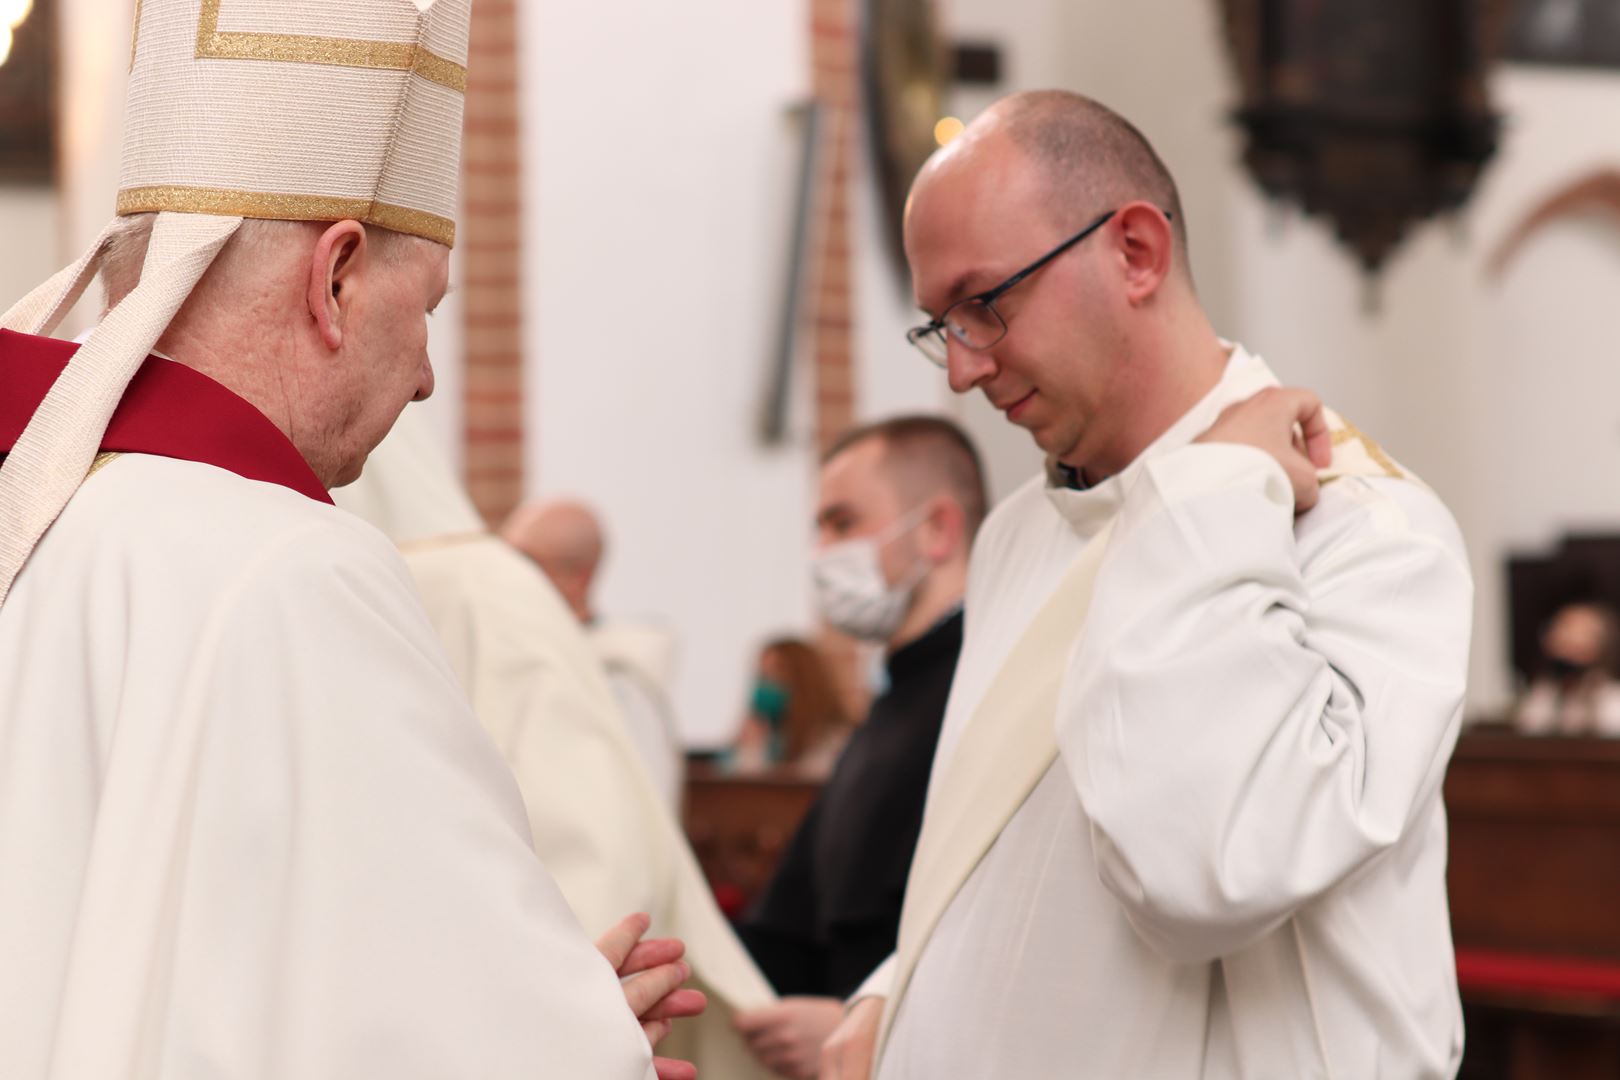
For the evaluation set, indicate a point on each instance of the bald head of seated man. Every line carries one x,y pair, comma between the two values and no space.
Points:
563,536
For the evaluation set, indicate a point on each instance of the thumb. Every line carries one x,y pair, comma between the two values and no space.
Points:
617,942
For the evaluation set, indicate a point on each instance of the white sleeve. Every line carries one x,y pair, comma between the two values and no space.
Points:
361,896
1245,732
879,984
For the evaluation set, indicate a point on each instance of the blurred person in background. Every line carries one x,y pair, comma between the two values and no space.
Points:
898,505
795,715
566,540
1576,692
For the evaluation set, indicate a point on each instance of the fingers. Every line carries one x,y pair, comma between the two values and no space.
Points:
1313,425
1307,420
672,1069
647,989
617,943
678,1004
750,1021
650,954
775,1043
656,1030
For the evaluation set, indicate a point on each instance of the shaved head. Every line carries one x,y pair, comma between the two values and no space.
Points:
1057,219
565,538
1090,158
925,456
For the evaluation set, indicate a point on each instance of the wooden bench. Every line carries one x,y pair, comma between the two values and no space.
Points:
1534,878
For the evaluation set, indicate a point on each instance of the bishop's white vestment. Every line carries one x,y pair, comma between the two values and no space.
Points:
1232,863
537,685
249,826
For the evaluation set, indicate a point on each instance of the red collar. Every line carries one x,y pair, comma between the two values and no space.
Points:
169,410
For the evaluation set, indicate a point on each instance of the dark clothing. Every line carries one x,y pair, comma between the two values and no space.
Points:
832,912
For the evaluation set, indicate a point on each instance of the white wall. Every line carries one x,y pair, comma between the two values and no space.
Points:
1538,377
660,163
28,221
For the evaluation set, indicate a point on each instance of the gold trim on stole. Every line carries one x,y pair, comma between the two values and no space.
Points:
1350,433
102,461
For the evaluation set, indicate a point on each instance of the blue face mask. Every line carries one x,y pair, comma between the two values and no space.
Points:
770,700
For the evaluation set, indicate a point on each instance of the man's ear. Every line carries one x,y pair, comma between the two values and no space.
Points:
333,266
1147,247
939,534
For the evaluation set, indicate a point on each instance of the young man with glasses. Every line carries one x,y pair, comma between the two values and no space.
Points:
1185,816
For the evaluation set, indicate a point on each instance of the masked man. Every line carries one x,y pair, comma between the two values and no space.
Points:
898,505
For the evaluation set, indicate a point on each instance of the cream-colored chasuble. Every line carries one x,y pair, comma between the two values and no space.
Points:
639,661
1202,835
317,110
250,826
598,820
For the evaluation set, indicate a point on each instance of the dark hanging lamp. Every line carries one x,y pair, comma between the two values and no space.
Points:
1372,113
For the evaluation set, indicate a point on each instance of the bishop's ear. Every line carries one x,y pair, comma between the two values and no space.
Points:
333,268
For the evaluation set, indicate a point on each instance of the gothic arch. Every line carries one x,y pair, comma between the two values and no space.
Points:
1598,192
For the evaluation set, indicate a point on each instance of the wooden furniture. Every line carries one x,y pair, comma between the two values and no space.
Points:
1582,567
739,825
1534,879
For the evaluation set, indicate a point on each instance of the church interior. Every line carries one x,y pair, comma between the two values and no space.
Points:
678,279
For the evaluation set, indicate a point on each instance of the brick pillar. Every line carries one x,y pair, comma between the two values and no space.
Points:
834,74
834,50
490,239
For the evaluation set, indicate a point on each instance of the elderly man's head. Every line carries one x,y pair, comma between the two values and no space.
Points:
565,539
322,326
1070,351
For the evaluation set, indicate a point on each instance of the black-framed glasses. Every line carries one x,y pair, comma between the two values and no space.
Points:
974,320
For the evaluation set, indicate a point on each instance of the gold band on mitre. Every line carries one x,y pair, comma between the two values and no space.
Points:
284,207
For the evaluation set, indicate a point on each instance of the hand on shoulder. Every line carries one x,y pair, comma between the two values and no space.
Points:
1289,424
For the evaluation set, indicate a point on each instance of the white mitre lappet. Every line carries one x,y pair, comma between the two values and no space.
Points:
314,110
